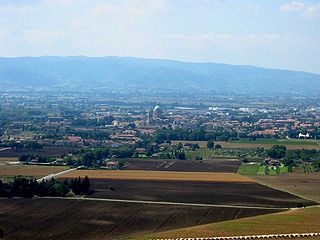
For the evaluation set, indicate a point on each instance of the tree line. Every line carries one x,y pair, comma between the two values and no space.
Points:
24,187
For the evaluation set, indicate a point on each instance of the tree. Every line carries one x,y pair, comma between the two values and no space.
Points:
218,146
277,151
1,233
210,144
85,185
1,187
181,155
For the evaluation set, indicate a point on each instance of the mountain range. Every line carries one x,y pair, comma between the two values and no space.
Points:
128,73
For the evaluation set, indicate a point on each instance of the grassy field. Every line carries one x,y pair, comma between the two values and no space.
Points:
269,142
262,142
159,175
256,169
28,171
306,185
248,169
294,221
274,141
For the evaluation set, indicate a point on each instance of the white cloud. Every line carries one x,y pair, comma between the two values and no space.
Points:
312,11
293,6
308,11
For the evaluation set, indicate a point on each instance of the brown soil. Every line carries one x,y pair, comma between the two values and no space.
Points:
81,219
159,175
246,194
46,151
303,184
215,165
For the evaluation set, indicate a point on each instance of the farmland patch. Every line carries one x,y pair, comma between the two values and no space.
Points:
69,219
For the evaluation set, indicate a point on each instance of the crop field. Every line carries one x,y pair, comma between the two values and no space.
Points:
302,184
221,193
249,169
28,170
274,141
159,175
262,142
8,159
295,221
268,143
46,151
256,169
214,165
75,219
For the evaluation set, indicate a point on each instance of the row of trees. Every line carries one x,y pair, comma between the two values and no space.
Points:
23,187
199,134
29,146
290,158
29,157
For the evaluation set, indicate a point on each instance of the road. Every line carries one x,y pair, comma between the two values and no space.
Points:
4,149
169,203
55,175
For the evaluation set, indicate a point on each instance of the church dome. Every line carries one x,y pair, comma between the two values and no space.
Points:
157,111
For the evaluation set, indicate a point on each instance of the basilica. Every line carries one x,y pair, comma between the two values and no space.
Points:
155,116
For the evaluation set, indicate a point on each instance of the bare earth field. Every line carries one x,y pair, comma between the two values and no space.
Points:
81,219
46,151
8,159
159,175
294,221
302,184
214,165
28,170
221,193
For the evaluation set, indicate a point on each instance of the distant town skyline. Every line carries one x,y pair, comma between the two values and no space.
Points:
273,34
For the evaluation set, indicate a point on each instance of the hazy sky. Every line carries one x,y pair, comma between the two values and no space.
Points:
270,33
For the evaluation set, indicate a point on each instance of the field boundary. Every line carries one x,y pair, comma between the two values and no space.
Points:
169,203
266,236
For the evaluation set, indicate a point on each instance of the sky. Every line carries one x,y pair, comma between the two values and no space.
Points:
268,33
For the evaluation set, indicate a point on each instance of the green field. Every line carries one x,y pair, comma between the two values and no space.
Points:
249,169
256,169
251,154
308,142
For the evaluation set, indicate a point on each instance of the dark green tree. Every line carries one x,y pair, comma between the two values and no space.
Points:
210,144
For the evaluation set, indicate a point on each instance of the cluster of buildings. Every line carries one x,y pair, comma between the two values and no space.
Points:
80,121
